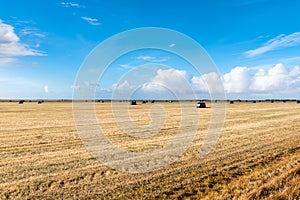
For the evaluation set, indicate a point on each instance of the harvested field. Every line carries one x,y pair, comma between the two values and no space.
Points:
256,157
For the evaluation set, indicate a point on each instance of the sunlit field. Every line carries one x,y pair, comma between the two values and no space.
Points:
256,157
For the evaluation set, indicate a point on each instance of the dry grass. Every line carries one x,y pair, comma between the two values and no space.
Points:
257,156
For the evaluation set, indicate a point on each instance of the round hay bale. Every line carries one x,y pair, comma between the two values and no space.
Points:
21,101
133,102
253,101
201,105
231,102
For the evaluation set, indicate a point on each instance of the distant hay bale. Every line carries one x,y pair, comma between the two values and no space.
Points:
144,102
272,101
284,101
170,101
298,101
40,102
133,102
253,101
21,101
201,105
231,102
152,101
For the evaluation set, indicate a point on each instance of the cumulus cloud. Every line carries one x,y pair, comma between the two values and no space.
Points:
279,42
275,79
241,82
210,82
169,80
248,81
237,80
11,47
92,21
123,88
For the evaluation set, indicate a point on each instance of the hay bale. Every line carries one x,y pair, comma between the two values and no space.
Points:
144,102
40,102
21,101
152,101
231,102
201,105
133,102
253,101
272,101
298,101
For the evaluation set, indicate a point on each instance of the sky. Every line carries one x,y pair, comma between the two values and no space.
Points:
254,44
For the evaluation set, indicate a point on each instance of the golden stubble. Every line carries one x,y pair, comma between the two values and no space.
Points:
256,157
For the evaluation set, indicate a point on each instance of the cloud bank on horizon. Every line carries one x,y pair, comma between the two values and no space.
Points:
275,82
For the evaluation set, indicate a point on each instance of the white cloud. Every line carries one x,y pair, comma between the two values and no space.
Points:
170,80
11,47
237,80
146,58
172,45
32,32
240,82
69,4
152,59
46,88
279,42
275,79
123,87
123,90
92,21
210,82
248,81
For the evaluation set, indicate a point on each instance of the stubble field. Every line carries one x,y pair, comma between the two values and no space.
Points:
256,157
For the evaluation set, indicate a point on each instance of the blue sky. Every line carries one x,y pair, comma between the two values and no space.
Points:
254,43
